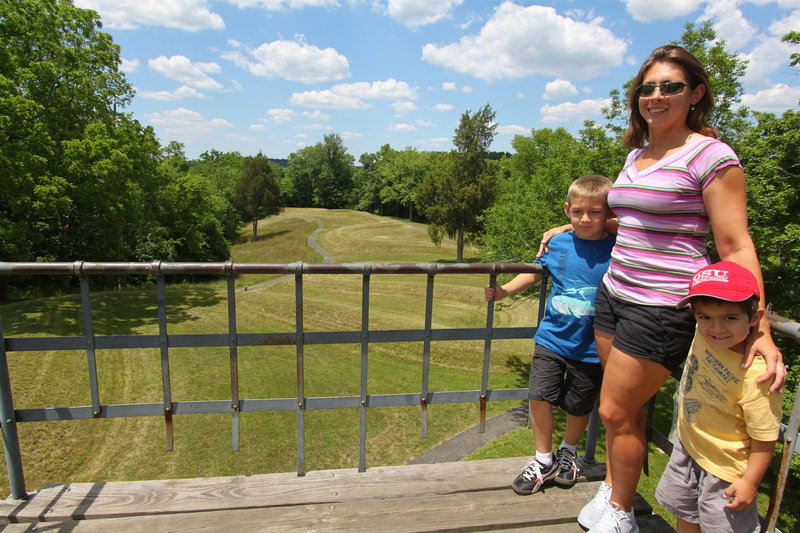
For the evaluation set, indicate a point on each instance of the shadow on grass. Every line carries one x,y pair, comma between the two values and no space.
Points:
113,312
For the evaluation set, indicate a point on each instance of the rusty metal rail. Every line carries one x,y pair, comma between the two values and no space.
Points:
164,341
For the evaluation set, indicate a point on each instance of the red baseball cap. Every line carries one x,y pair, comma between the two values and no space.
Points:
725,280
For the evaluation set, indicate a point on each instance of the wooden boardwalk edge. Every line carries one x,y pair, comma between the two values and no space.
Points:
458,496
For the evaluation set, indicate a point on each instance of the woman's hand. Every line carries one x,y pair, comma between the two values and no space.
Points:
549,234
761,344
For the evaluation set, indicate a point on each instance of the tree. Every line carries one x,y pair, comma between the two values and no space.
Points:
531,193
322,175
257,193
794,38
455,193
58,74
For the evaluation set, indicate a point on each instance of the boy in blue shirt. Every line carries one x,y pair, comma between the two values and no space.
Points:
565,369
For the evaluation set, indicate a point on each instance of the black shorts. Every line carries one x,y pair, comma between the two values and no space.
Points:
659,333
563,382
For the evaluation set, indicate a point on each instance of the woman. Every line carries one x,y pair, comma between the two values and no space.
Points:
677,182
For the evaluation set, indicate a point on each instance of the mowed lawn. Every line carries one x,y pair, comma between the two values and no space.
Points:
133,448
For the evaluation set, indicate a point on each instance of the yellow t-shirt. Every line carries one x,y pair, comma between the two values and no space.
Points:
721,407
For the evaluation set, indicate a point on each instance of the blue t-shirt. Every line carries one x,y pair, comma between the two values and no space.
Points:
576,268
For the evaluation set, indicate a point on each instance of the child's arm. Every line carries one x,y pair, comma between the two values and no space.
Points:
743,491
519,283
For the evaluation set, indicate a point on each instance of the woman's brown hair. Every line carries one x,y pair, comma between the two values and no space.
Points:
696,75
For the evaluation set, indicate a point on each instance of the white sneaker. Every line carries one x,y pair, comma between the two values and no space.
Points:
593,511
615,520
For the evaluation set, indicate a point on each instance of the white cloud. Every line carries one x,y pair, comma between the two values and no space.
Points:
182,69
352,95
401,127
449,86
316,115
434,141
570,111
280,5
187,123
279,116
559,89
648,11
789,23
390,89
350,135
424,123
512,130
774,100
730,23
416,13
257,127
523,41
128,66
189,15
404,107
443,107
520,95
239,137
327,99
767,57
292,60
178,94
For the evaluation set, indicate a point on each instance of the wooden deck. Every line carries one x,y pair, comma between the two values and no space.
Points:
443,497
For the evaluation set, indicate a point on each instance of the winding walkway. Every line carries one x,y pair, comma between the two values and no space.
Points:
312,241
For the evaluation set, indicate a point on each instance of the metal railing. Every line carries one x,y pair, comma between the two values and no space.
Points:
164,341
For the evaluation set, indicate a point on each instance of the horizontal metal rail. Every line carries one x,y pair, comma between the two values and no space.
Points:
90,343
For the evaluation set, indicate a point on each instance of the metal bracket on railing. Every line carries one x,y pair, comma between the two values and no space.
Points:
163,344
431,269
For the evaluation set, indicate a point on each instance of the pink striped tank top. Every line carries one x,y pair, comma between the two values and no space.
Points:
663,223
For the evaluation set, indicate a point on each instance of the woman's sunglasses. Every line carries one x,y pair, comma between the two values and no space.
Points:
672,87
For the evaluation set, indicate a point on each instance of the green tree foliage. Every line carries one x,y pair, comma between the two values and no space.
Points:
321,175
387,181
794,38
457,189
534,185
58,74
770,154
257,194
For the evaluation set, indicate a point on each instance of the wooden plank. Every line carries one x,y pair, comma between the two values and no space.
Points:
95,500
475,510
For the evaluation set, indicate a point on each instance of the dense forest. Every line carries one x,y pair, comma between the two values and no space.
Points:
83,179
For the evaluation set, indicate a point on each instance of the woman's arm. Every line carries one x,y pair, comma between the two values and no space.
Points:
612,225
726,202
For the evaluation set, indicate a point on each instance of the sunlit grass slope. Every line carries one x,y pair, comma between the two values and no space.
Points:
133,448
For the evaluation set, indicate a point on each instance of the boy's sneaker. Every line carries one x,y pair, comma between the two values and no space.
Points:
593,511
533,476
615,520
567,468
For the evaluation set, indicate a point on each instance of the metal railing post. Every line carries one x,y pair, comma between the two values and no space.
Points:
234,356
91,353
163,344
8,423
362,405
487,352
299,352
426,350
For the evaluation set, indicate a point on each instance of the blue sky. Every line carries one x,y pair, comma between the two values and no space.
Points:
277,75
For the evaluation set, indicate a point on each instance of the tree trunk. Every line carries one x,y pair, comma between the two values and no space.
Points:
255,230
460,246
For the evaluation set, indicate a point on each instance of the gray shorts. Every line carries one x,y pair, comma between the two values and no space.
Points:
563,382
692,494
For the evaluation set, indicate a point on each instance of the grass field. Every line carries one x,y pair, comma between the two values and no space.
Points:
133,448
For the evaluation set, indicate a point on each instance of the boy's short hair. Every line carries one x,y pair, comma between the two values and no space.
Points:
726,281
749,306
589,186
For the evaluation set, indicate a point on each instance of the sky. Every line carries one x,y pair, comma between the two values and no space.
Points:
274,76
